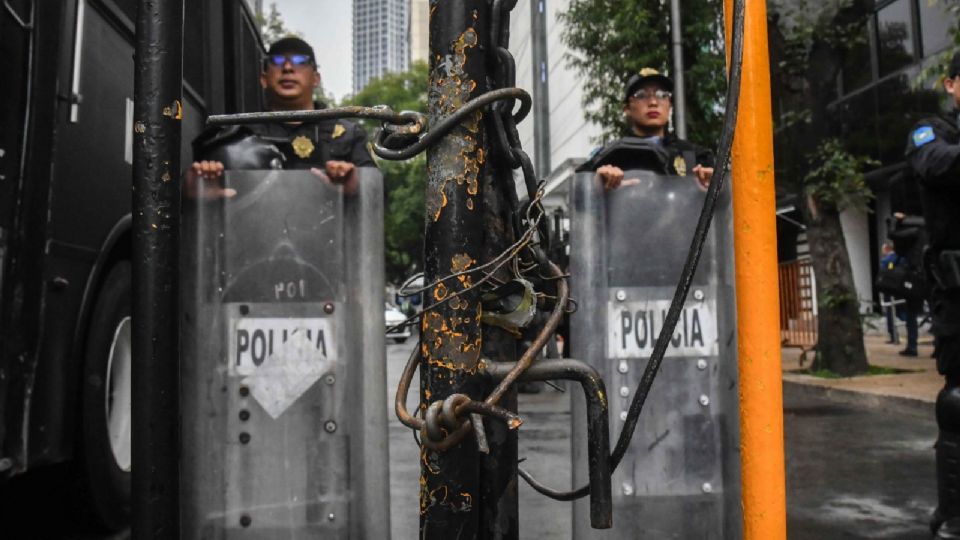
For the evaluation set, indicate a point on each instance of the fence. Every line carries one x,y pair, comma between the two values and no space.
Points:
798,316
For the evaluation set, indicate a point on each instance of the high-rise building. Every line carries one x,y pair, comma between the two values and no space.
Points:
380,39
419,30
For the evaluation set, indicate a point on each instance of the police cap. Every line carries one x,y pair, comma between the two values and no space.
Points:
646,76
292,45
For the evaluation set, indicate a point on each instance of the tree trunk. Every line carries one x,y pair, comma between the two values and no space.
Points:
839,329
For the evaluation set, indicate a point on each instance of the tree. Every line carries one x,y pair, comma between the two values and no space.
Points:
404,181
272,26
811,43
614,39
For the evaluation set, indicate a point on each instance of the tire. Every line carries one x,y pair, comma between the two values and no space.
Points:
105,404
400,340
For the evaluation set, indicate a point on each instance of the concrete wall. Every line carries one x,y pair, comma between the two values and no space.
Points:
570,133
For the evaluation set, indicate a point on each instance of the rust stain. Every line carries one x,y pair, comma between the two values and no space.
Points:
460,263
440,292
458,157
448,345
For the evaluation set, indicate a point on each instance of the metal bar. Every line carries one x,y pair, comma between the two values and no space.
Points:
156,237
679,93
450,493
755,242
598,431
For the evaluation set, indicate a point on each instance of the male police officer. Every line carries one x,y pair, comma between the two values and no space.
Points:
647,107
933,152
332,149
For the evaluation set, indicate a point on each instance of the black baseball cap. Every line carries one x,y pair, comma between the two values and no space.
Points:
646,76
292,45
954,66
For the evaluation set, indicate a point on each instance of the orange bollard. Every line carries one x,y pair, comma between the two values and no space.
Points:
755,245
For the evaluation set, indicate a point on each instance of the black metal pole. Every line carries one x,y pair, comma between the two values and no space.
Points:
450,492
156,237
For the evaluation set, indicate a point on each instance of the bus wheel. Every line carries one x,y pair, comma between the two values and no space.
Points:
105,451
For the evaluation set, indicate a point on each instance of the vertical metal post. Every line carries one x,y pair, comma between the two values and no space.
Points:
755,245
451,486
156,238
541,86
679,92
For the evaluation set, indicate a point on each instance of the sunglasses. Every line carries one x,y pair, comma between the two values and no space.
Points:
296,60
643,95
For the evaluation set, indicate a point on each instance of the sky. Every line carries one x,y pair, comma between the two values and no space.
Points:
327,25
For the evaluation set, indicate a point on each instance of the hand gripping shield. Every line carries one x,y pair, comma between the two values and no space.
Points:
283,378
680,476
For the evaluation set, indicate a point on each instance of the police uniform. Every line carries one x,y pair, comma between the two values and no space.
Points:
675,156
669,154
933,153
285,146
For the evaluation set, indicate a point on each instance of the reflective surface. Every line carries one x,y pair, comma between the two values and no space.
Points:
680,477
283,378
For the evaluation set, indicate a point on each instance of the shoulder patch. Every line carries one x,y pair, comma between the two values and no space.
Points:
922,135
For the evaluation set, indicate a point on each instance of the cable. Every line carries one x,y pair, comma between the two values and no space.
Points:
689,267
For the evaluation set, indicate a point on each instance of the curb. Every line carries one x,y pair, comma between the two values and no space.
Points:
893,404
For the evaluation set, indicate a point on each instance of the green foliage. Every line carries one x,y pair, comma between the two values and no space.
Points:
272,26
835,177
614,39
404,181
934,71
403,91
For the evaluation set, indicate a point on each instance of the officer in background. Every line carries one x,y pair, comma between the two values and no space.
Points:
332,149
933,153
647,106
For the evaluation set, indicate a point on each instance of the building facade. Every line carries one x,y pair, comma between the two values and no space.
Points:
887,81
381,39
419,30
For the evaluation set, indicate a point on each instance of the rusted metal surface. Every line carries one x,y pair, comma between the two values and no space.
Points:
451,336
156,250
598,436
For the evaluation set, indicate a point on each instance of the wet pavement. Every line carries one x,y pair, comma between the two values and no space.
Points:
853,472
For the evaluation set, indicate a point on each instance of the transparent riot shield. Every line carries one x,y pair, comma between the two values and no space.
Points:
283,380
680,477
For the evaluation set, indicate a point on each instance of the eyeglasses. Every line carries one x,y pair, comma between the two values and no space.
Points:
296,60
643,95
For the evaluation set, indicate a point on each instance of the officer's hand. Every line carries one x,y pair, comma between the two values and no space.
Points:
703,174
205,181
339,173
610,176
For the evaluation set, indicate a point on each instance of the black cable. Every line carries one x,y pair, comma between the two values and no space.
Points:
689,267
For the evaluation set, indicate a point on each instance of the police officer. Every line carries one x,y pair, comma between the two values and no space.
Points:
933,152
332,149
647,106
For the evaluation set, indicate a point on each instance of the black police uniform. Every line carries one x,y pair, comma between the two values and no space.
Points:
671,155
286,146
933,152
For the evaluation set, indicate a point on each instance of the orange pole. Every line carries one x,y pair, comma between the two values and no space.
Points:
755,244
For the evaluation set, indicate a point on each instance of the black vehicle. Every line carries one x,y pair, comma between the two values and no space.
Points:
65,241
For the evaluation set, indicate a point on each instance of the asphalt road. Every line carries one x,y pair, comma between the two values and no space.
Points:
852,473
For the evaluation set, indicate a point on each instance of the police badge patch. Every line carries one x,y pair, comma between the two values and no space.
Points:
680,166
302,146
338,130
922,135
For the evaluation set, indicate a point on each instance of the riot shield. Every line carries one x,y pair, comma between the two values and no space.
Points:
283,381
680,477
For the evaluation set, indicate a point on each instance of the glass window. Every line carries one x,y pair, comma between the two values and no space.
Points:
935,22
895,36
857,70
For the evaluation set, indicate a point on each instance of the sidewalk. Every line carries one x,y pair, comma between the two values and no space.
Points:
914,391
